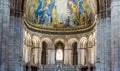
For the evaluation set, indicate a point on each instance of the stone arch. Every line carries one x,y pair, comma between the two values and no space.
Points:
83,53
29,40
91,41
47,40
59,46
27,47
71,41
35,40
35,50
59,39
45,44
59,42
25,36
73,45
83,42
92,49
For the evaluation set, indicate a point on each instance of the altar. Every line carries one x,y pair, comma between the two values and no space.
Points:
59,66
59,60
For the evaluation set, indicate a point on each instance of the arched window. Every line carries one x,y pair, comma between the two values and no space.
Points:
43,57
59,48
74,53
59,54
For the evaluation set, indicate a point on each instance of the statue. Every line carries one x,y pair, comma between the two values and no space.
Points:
61,7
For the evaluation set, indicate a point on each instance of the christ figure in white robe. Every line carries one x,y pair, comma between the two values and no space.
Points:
61,6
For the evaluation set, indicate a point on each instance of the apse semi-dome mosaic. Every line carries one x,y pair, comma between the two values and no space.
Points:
60,14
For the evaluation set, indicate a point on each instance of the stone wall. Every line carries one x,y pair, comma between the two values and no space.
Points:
4,29
15,44
11,33
115,20
108,40
11,38
85,41
103,45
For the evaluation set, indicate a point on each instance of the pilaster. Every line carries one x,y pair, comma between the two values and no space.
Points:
4,30
115,24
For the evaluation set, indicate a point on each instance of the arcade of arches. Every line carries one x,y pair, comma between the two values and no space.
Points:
71,50
59,35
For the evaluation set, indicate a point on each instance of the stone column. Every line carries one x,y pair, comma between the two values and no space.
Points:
95,53
36,55
4,30
52,56
66,62
24,52
115,35
52,53
27,54
70,57
91,56
82,56
40,56
81,59
79,56
103,62
49,56
104,44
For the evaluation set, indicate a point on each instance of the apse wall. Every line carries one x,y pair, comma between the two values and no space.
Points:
85,41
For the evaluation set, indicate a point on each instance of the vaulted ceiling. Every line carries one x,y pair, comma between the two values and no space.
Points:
16,8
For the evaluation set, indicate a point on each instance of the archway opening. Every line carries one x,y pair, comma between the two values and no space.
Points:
74,53
59,54
59,51
44,53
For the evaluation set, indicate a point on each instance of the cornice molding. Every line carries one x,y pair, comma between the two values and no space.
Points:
56,32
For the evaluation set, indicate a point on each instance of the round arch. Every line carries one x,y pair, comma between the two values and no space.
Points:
83,42
35,40
71,41
59,39
47,40
59,51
